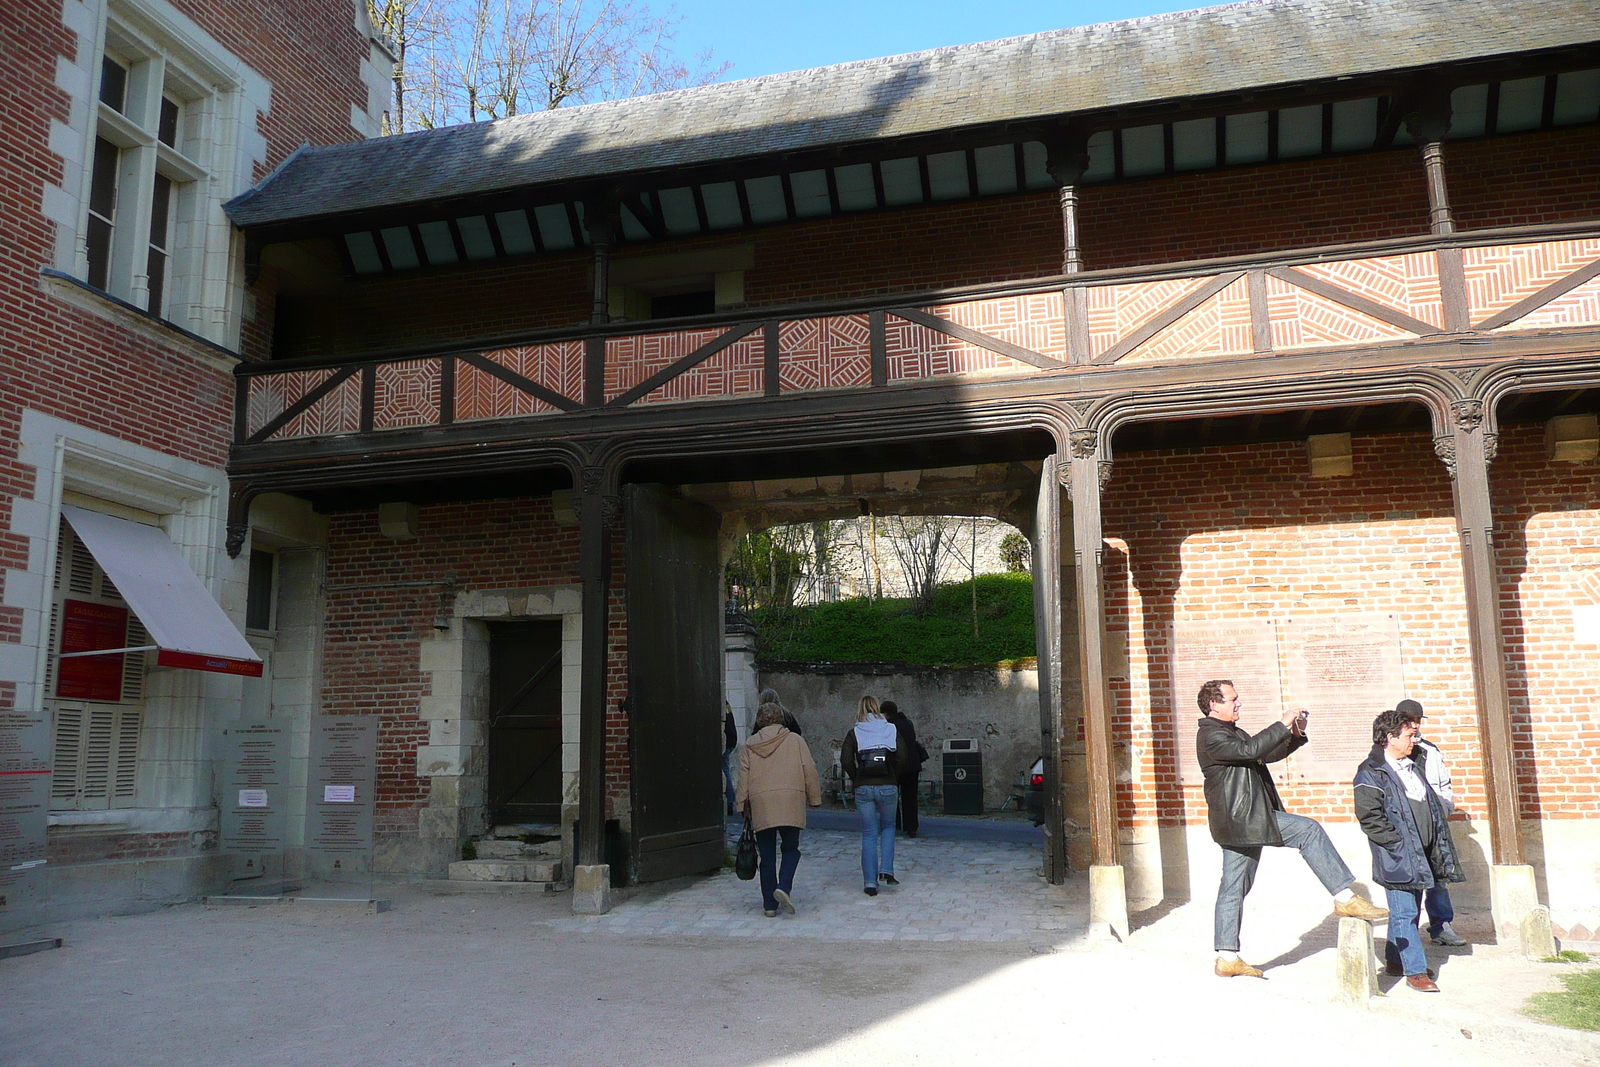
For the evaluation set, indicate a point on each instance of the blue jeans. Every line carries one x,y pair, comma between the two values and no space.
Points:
1440,910
1404,943
877,803
775,876
1239,872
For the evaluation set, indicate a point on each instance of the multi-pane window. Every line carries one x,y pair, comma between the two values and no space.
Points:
146,173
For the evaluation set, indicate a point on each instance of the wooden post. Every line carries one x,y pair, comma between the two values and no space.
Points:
1108,902
1048,623
599,219
1067,159
1428,122
597,511
1467,452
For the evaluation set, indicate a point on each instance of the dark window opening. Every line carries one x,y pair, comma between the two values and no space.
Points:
677,305
113,84
102,210
156,267
258,599
167,129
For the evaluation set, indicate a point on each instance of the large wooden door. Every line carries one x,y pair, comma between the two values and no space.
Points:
674,683
525,721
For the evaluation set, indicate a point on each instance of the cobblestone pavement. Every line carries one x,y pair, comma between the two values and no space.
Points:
949,891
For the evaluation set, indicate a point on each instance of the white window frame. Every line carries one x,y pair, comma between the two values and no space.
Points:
217,156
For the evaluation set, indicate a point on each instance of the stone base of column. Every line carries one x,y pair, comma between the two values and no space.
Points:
1357,962
591,889
1108,903
1520,921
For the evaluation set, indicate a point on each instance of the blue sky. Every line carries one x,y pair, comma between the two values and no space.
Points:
766,37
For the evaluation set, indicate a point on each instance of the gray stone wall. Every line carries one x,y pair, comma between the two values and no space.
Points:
998,707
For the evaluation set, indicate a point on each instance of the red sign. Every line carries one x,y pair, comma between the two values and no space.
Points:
86,627
194,661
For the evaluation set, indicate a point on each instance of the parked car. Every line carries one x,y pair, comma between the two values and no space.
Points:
1035,792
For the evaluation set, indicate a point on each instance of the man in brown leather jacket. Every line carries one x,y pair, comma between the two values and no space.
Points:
1246,815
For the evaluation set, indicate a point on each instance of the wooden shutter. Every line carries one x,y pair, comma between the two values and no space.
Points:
96,759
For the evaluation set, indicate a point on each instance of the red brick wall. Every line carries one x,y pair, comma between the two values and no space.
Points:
375,624
1242,532
1526,179
76,366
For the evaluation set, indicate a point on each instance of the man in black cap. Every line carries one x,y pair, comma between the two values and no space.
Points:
1441,913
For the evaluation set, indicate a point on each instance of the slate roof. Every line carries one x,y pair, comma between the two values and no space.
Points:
1192,53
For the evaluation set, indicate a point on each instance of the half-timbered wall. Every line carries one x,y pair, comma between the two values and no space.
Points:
1532,178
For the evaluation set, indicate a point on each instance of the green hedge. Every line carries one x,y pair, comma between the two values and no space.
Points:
887,631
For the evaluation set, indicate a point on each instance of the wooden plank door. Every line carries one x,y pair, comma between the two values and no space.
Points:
674,683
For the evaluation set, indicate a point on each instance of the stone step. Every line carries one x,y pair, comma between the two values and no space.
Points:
525,829
494,849
542,870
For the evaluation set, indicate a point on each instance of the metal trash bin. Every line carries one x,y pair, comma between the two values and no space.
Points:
963,777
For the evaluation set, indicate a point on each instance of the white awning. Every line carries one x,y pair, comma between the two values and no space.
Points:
186,625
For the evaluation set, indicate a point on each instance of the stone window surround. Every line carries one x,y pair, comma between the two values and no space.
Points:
190,498
455,758
231,97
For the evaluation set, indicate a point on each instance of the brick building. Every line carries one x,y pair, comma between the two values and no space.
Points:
123,311
1274,325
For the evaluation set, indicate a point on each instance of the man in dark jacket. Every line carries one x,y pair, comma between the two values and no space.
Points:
910,771
1409,831
1246,815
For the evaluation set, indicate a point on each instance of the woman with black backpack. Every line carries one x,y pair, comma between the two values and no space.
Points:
872,755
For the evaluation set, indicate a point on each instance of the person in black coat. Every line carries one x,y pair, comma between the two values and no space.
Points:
1409,830
1246,814
916,756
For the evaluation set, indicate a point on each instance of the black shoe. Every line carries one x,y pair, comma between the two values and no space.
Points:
889,879
870,890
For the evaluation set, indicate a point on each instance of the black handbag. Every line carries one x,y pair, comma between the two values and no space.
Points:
744,857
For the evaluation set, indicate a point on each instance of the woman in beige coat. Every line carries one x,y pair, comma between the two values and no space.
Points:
777,780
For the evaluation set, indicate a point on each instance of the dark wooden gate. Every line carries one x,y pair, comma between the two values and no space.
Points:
674,683
525,721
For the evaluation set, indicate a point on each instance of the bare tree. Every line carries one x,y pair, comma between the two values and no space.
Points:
920,544
467,60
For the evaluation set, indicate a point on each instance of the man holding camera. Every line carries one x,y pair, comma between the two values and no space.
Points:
1246,815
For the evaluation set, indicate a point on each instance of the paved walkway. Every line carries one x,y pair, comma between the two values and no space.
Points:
949,891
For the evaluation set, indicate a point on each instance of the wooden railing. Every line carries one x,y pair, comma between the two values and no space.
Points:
1352,296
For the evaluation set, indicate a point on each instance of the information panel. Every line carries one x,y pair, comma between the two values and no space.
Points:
1244,651
339,797
24,811
254,798
1344,669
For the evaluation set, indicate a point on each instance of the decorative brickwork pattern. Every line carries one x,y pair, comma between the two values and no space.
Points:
736,370
1115,311
1218,327
272,396
1408,284
406,394
1499,276
558,367
1303,319
914,352
826,353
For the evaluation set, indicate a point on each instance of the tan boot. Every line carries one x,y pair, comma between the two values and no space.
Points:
1236,968
1359,907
